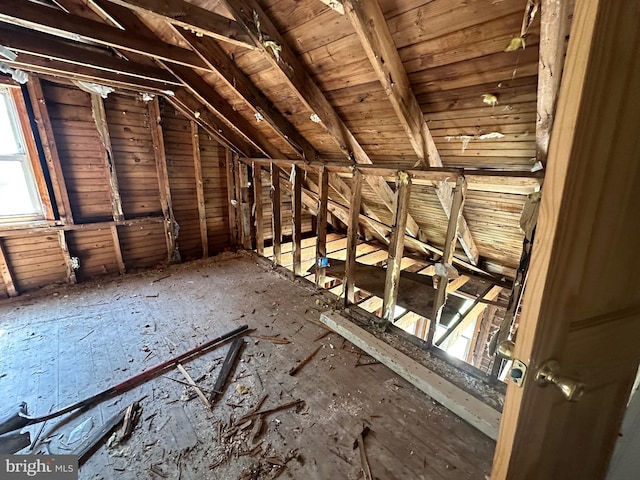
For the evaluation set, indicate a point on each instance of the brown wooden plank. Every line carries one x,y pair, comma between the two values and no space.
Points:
100,118
5,271
276,214
447,258
202,213
192,17
117,249
173,255
257,201
321,232
233,219
396,246
296,214
352,238
38,16
49,148
62,241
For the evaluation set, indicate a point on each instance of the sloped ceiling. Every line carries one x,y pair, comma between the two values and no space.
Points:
478,100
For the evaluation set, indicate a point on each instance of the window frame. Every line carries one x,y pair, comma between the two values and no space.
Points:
29,158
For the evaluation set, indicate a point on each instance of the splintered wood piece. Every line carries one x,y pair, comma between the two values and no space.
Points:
202,396
364,461
228,364
284,406
86,448
302,363
278,340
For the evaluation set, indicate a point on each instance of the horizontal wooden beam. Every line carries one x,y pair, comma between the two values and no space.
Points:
24,40
520,182
455,399
44,228
32,15
192,17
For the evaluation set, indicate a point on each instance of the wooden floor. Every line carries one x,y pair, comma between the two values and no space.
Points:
65,343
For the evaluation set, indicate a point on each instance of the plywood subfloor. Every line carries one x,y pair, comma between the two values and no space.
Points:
65,343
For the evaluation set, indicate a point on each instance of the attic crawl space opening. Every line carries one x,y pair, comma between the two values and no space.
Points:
380,161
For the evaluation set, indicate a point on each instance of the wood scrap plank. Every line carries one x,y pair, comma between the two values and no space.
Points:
202,213
459,402
227,366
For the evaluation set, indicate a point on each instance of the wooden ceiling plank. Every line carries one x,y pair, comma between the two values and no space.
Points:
221,108
192,17
284,60
33,15
371,27
24,40
191,107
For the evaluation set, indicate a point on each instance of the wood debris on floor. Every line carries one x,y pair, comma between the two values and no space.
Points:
264,423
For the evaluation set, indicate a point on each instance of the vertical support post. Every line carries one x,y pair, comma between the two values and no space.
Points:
49,148
170,225
296,218
257,200
447,256
276,220
396,245
100,118
352,238
5,271
321,232
62,241
202,213
242,194
118,249
232,202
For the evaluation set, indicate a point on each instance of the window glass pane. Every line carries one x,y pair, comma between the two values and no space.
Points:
14,192
8,143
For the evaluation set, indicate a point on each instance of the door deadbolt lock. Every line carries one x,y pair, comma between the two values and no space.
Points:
548,373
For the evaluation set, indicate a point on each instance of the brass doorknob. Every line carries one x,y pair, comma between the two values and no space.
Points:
505,349
549,374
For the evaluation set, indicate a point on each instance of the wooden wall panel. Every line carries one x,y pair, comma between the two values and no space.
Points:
81,152
143,246
214,178
179,150
128,121
3,290
35,261
95,251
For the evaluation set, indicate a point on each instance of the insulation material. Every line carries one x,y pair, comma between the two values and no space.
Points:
96,88
529,216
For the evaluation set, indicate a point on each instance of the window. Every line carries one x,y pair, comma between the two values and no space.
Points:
19,197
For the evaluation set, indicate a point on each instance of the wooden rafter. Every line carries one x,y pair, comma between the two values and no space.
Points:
372,29
38,16
24,40
335,5
246,12
192,17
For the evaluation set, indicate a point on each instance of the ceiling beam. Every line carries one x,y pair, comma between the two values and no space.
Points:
47,66
36,16
192,17
246,12
368,21
24,40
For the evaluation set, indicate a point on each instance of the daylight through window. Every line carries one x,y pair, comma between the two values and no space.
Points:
19,198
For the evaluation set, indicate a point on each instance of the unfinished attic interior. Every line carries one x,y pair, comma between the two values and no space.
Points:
377,239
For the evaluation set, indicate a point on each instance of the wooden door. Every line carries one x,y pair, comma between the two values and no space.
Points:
582,303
